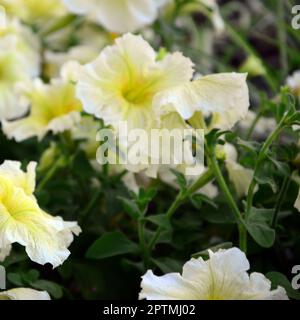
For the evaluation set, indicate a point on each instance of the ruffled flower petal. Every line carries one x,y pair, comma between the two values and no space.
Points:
118,16
224,95
222,277
24,294
46,238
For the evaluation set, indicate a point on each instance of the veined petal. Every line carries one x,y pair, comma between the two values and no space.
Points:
224,94
222,277
46,238
53,107
121,83
24,180
168,287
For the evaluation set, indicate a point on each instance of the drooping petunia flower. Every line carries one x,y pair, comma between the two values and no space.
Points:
45,238
127,83
24,294
119,16
223,277
240,176
53,107
19,61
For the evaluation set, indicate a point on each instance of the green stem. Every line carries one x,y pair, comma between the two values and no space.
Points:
261,156
223,186
282,37
281,197
180,199
222,183
243,238
50,174
143,247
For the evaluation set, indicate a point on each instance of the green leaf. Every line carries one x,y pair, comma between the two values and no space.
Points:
258,225
167,265
252,146
280,166
198,199
52,288
15,278
14,258
266,179
279,279
144,197
220,215
31,276
181,180
130,207
204,253
111,244
160,220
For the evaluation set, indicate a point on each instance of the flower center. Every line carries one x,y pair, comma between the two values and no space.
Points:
139,93
14,203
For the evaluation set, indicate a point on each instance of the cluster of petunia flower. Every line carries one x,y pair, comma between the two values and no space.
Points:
125,81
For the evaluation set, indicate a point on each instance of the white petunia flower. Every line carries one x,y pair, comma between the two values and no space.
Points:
53,107
127,83
240,176
293,82
223,277
45,238
19,61
119,16
24,294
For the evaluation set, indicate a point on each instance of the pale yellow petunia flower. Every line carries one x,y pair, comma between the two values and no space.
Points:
53,107
127,83
223,276
45,238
